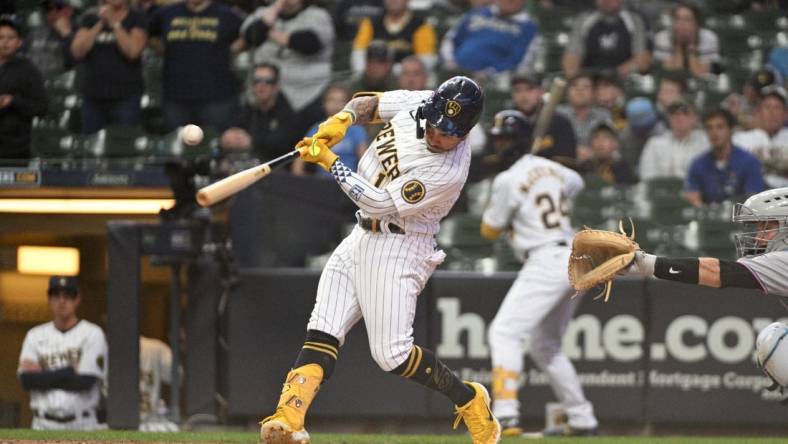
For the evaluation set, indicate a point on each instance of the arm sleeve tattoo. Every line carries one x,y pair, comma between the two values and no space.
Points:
365,109
372,200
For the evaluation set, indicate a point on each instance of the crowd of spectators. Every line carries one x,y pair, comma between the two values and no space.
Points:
652,85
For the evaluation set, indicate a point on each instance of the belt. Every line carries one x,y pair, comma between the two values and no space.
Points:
61,419
375,226
549,244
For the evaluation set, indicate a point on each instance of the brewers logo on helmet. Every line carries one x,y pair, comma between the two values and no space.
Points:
452,108
455,107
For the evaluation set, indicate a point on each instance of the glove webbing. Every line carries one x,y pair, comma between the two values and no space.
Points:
609,284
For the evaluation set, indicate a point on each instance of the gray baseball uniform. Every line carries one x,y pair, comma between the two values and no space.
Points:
771,271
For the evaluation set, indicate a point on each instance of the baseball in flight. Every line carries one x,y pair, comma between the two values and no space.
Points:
191,134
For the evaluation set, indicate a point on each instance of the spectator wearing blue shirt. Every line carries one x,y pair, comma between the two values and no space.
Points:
500,38
352,147
726,171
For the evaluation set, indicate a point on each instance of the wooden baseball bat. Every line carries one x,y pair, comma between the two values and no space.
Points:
230,185
546,114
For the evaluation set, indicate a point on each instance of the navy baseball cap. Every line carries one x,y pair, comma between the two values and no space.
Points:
64,283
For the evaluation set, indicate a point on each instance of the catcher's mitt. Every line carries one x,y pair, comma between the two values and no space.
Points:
598,255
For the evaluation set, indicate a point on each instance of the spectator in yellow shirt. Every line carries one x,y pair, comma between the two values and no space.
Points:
405,32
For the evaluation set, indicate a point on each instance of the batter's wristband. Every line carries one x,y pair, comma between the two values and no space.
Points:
352,115
686,270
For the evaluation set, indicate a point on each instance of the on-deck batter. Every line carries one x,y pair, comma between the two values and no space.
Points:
62,363
407,181
530,200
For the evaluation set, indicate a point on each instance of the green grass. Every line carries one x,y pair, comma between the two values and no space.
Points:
317,438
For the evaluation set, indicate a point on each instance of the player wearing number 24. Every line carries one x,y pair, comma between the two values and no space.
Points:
528,201
762,265
406,182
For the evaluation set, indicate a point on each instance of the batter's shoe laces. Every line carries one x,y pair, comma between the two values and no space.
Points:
478,418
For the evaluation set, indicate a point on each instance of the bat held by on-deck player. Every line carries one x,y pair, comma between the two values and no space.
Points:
546,114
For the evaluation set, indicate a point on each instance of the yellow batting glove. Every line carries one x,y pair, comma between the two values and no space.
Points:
333,130
315,151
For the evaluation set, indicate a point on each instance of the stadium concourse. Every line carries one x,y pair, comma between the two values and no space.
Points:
105,175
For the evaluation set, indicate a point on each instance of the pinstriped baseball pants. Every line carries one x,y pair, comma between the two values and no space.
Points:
377,277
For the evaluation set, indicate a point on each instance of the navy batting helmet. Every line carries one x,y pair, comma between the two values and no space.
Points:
455,107
510,123
510,133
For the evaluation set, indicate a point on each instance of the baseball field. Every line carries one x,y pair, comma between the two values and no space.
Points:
29,436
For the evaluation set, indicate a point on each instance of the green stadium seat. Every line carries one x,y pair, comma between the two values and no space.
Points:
62,85
459,237
478,195
171,146
555,18
51,142
505,259
117,141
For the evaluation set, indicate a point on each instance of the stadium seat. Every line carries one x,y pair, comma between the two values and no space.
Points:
713,238
117,141
51,142
61,85
171,146
555,18
459,237
505,259
478,195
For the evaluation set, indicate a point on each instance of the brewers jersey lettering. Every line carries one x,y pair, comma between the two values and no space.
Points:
531,199
423,185
84,348
378,275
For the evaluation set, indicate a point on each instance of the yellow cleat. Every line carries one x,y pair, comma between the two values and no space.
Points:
286,425
273,430
482,425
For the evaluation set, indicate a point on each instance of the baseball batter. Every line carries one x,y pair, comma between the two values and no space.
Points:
62,364
407,181
529,200
762,265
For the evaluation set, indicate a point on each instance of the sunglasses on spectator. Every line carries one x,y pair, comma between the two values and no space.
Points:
266,80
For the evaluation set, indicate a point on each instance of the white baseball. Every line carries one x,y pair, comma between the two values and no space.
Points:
191,134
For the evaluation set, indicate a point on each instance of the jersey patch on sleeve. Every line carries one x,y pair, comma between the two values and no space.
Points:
413,191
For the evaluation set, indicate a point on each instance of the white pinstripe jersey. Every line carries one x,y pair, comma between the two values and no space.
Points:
83,347
531,198
424,185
